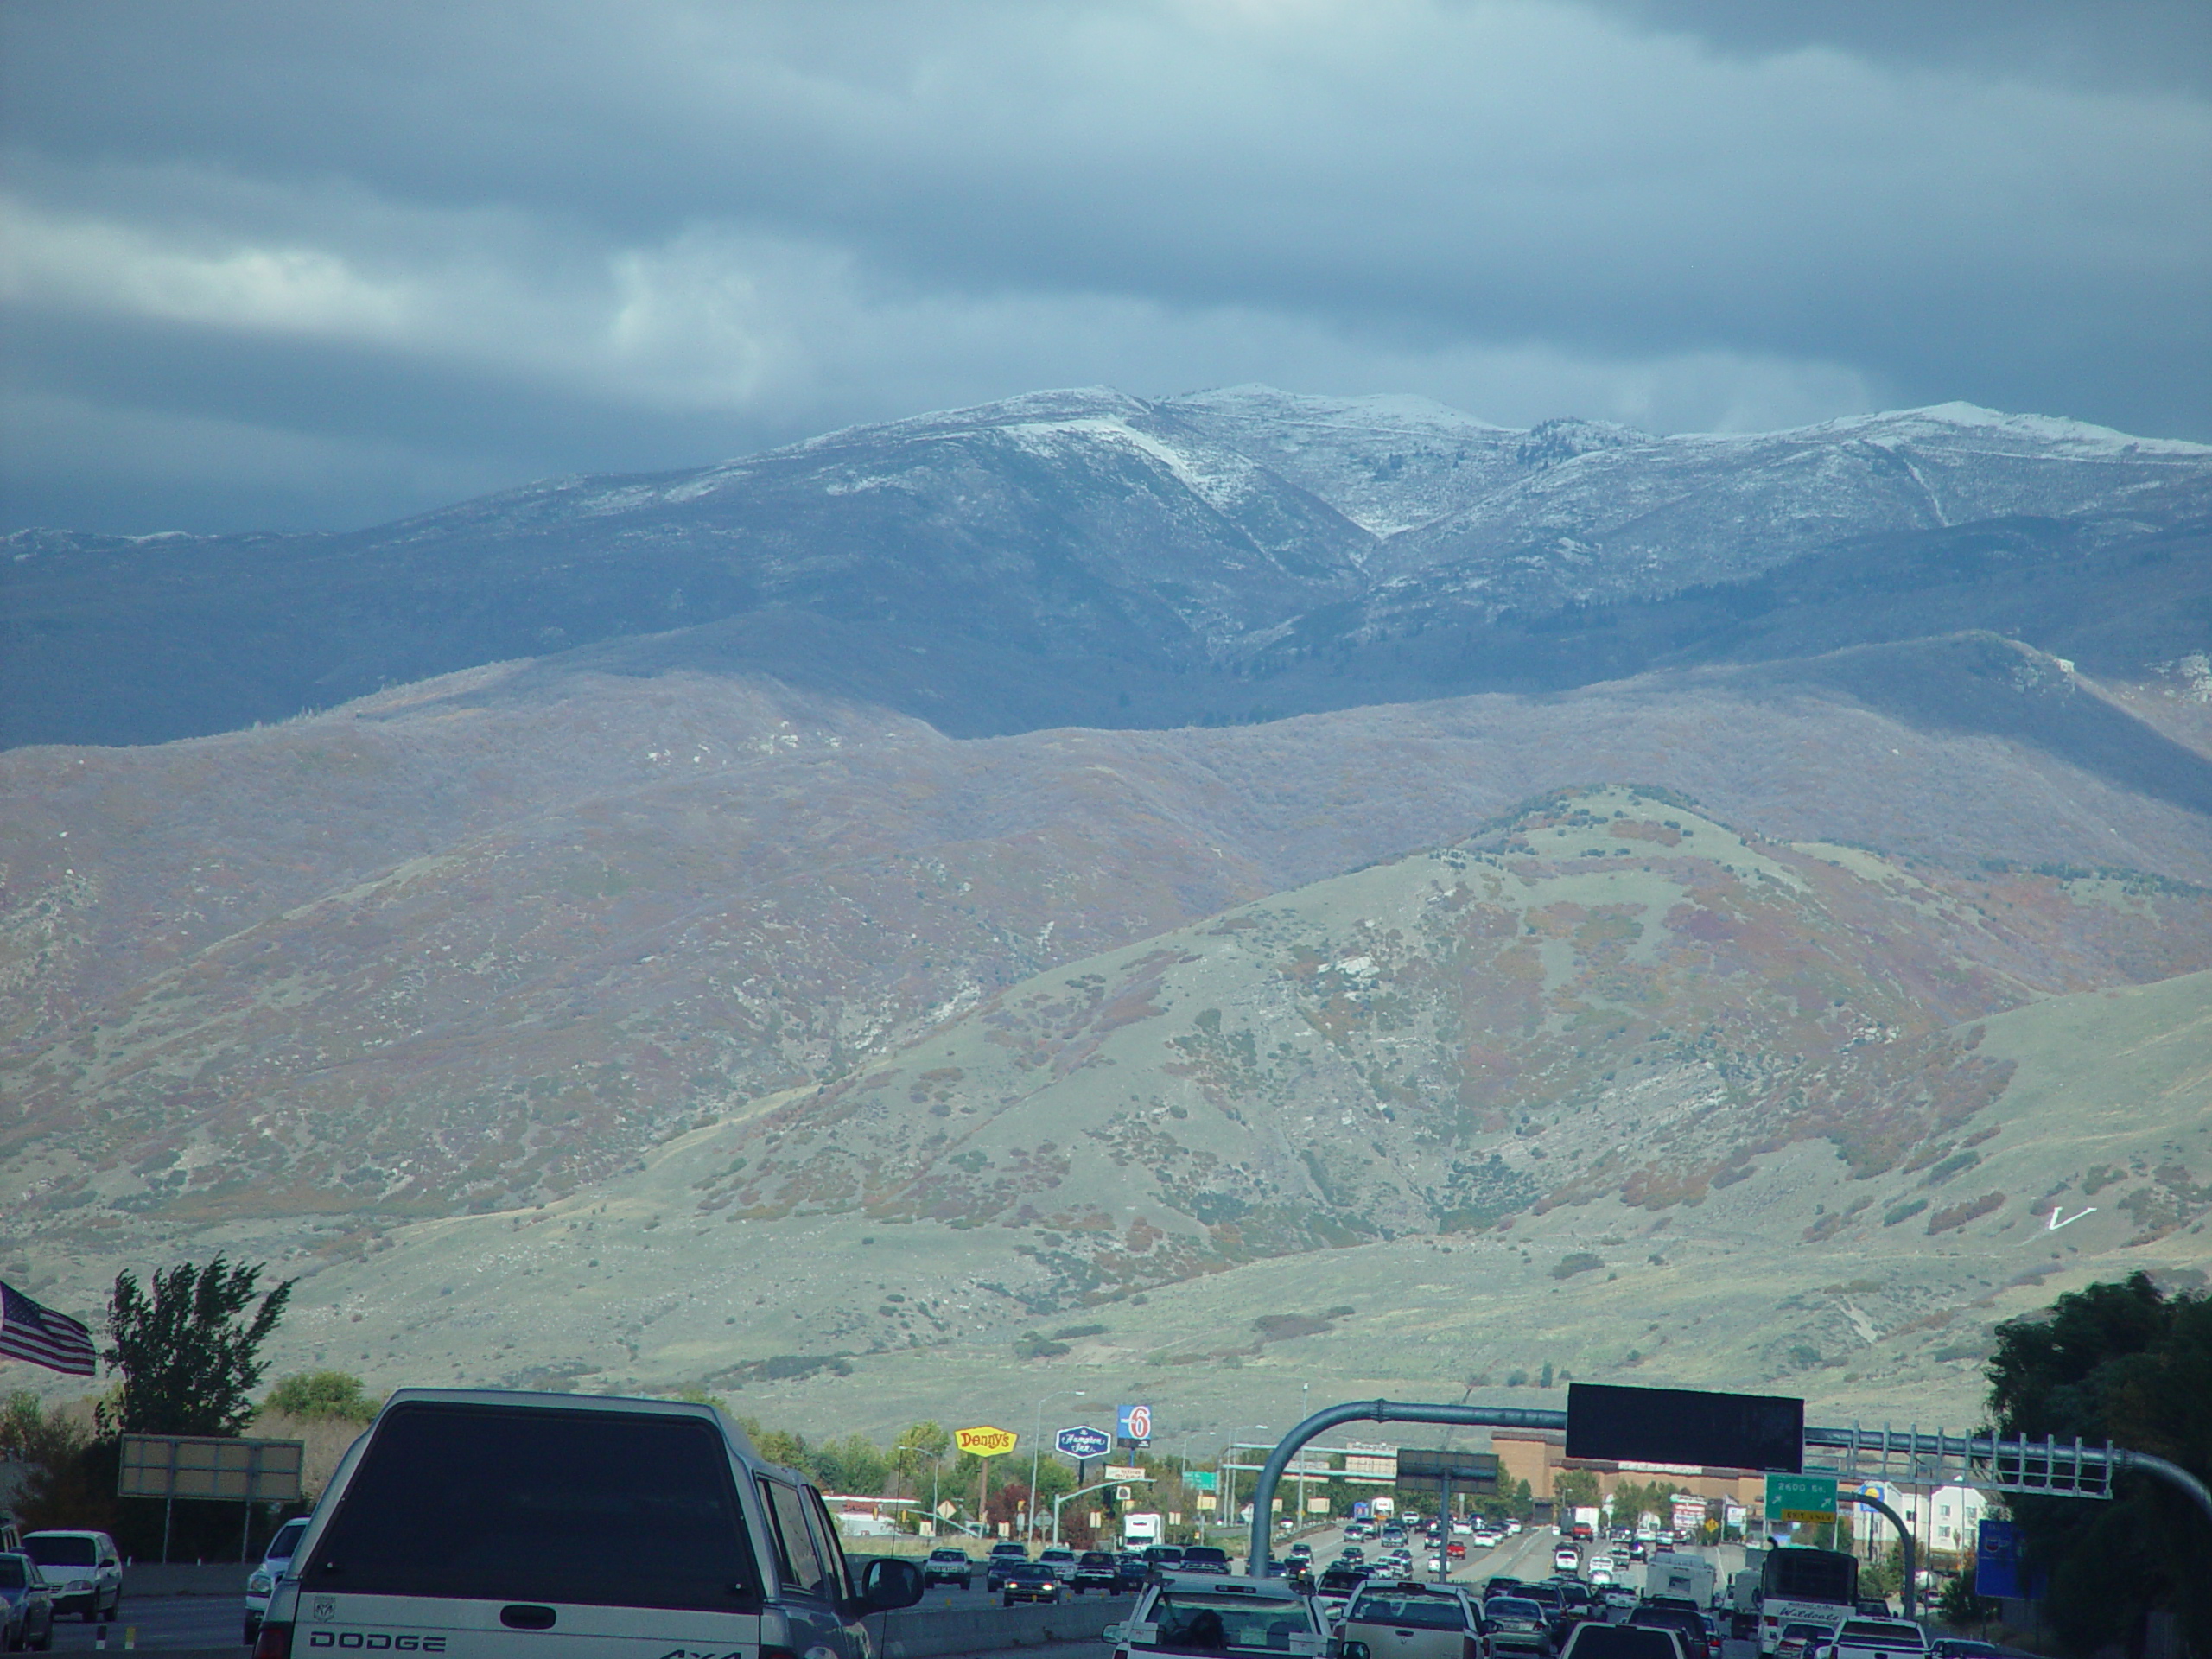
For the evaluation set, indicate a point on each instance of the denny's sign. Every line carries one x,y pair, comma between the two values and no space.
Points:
984,1442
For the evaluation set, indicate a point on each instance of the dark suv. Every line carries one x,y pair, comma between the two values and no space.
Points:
1205,1558
949,1567
1697,1642
1003,1556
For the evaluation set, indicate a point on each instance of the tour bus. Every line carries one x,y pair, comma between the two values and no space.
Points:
1805,1586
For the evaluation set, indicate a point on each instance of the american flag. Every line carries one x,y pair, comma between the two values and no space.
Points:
42,1336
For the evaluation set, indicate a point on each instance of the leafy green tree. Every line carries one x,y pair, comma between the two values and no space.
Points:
920,1449
1961,1608
854,1464
778,1445
1574,1488
189,1353
337,1396
59,1490
2129,1363
1885,1577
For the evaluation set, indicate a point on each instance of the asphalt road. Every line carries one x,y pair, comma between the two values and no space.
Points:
167,1622
175,1624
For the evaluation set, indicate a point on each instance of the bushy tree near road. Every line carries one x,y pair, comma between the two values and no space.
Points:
336,1396
2129,1363
190,1353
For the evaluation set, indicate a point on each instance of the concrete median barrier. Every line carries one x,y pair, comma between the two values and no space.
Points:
917,1635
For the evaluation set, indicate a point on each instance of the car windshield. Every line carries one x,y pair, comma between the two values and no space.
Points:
1412,1612
1197,1623
948,1555
1513,1607
1799,1632
59,1551
286,1540
1882,1632
1096,1558
13,1575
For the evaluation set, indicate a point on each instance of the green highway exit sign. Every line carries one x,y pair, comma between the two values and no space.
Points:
1801,1499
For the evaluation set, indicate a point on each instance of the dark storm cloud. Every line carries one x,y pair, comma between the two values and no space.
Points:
2124,44
365,258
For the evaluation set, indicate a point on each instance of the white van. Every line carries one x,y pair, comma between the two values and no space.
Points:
483,1525
82,1569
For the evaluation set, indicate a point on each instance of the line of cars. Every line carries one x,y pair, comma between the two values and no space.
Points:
1010,1573
1392,1617
44,1575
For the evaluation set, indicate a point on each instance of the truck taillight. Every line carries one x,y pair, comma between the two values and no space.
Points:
273,1642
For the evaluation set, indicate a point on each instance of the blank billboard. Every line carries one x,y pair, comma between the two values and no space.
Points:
1765,1432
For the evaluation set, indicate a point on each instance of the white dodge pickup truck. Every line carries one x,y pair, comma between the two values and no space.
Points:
1880,1638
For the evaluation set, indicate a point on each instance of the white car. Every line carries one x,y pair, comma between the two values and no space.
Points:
1880,1638
263,1584
1182,1613
1567,1558
82,1569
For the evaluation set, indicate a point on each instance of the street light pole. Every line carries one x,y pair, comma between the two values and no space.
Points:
1304,1388
1229,1506
1037,1449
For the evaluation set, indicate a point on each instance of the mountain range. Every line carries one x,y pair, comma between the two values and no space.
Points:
1102,887
1089,558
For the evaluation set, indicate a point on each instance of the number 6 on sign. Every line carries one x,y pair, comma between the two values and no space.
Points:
1135,1422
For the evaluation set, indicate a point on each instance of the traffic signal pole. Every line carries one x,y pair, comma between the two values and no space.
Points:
1905,1534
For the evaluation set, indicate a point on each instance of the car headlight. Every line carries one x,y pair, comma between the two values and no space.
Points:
260,1585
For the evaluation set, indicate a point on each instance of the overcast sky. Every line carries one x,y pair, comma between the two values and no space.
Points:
320,266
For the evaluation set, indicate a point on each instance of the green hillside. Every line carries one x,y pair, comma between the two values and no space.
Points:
1420,1128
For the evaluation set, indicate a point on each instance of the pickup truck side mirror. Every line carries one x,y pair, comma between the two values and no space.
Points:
889,1582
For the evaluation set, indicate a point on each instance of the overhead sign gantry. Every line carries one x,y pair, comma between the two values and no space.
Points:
1749,1432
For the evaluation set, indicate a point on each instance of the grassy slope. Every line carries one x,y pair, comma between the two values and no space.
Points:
1753,1287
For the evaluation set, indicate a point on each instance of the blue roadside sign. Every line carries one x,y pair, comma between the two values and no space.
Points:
1082,1442
1997,1559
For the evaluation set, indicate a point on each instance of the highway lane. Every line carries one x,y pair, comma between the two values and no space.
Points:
160,1622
